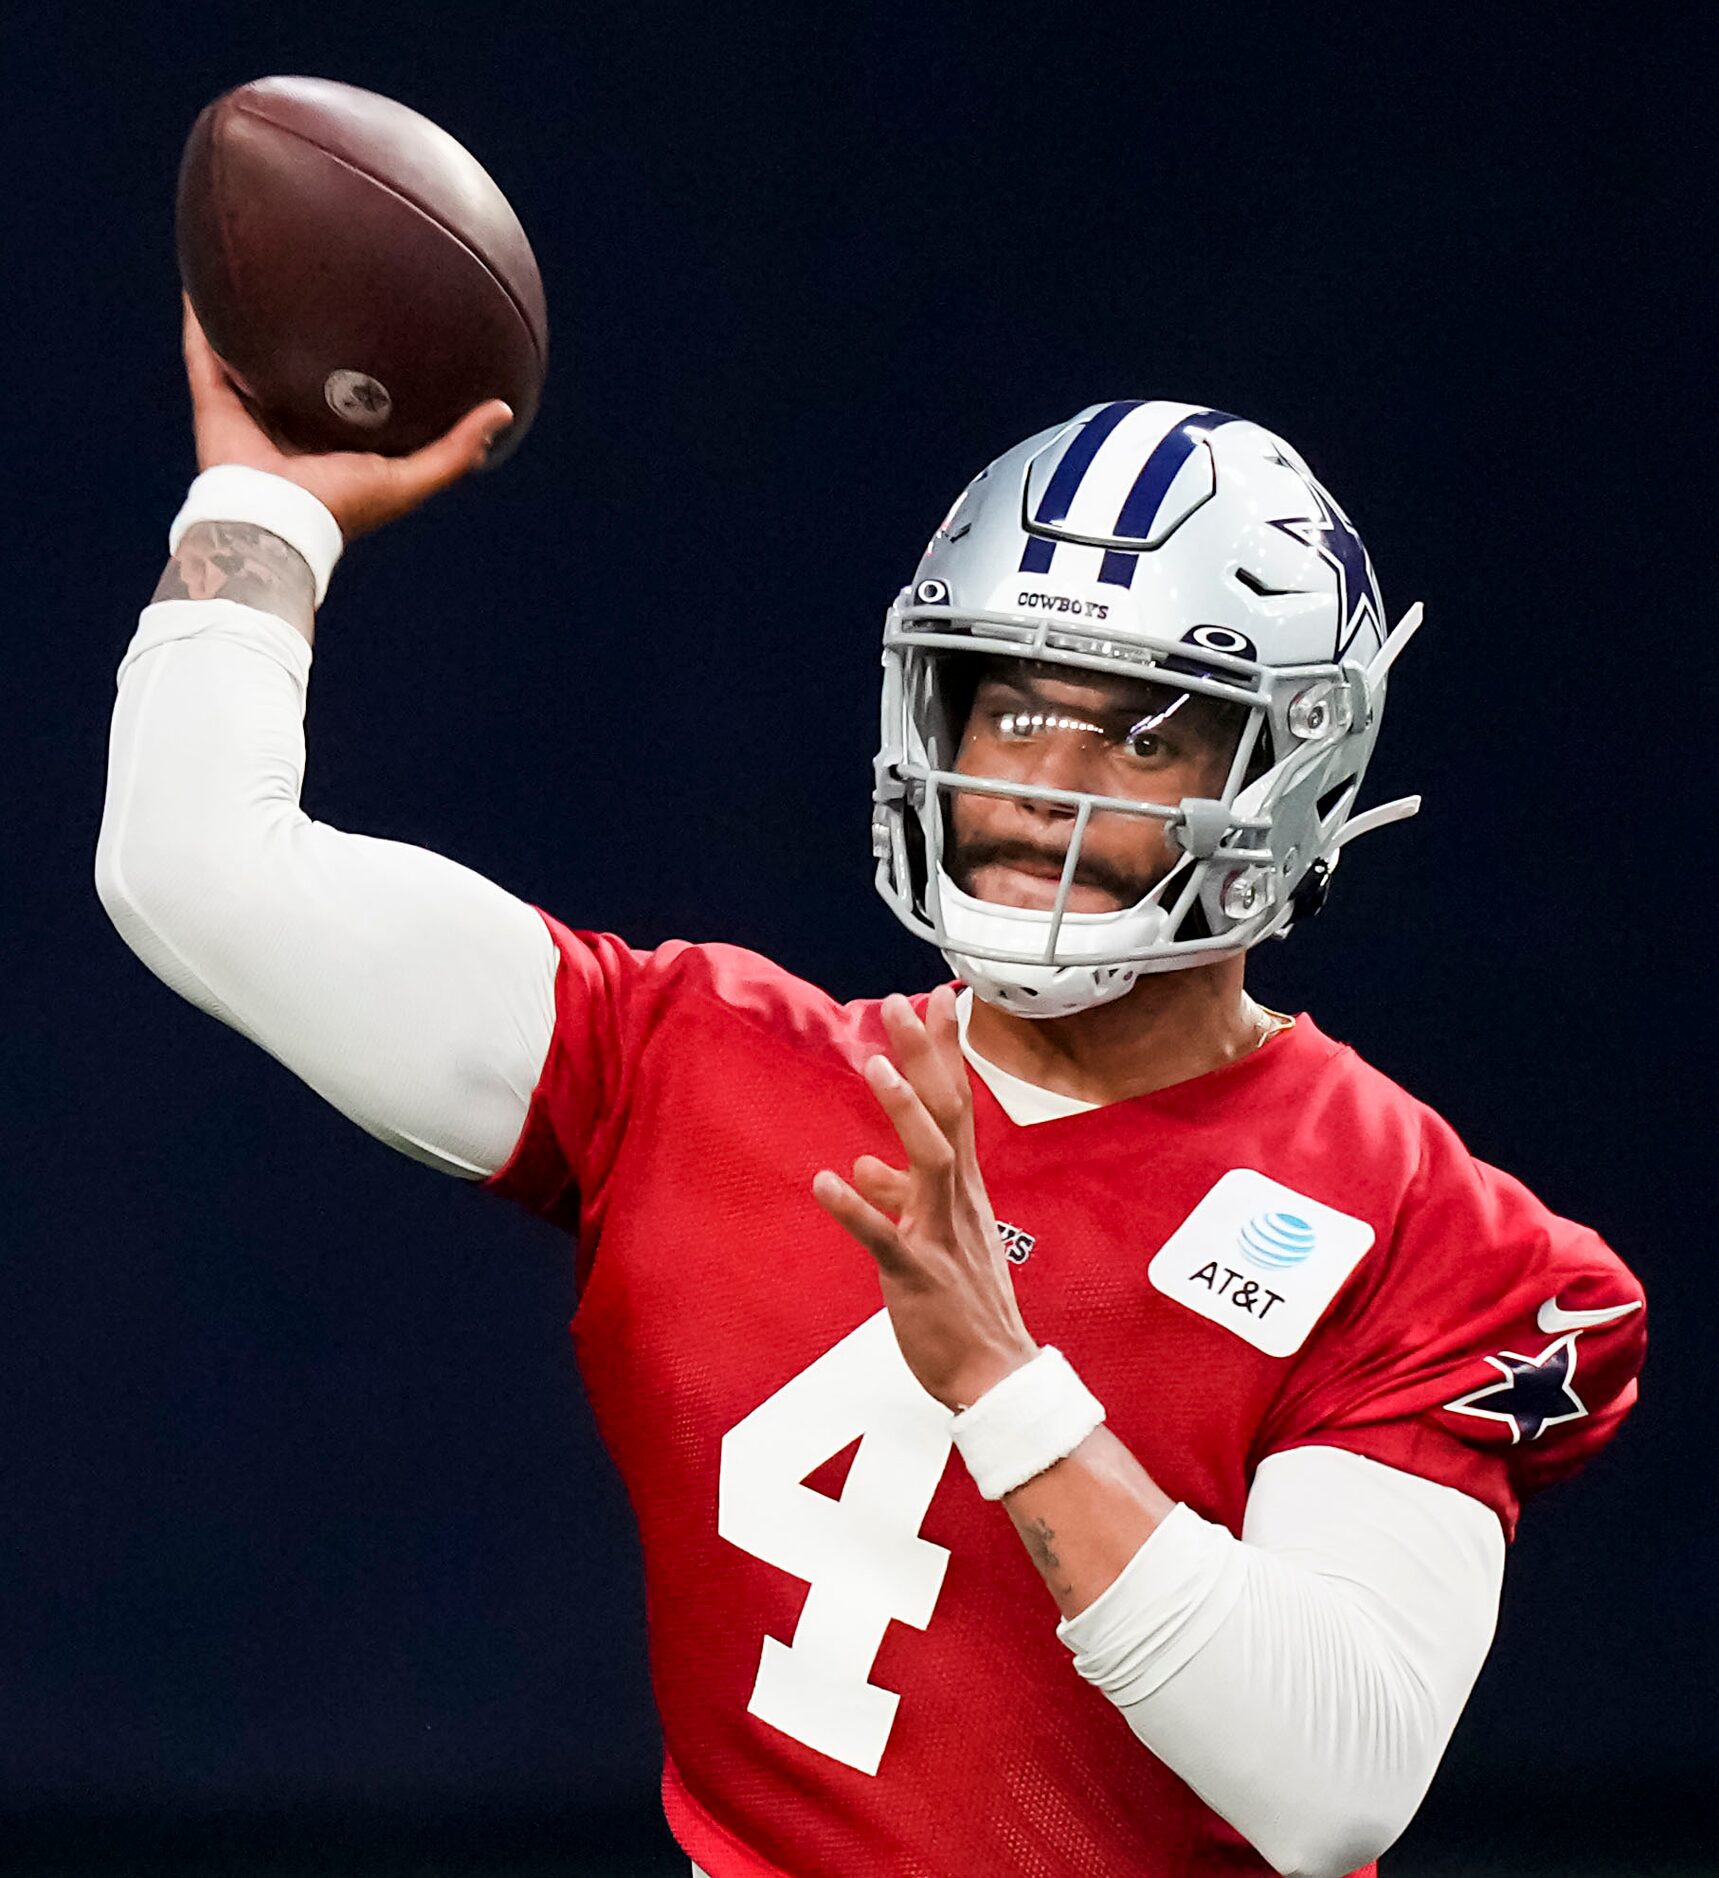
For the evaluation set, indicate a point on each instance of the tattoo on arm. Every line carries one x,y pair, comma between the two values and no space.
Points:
1039,1537
239,561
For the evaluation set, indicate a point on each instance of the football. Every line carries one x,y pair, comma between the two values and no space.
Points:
356,269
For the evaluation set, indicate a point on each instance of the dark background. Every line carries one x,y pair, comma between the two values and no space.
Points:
307,1545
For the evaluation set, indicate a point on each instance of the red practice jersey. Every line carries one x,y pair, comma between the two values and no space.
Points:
855,1661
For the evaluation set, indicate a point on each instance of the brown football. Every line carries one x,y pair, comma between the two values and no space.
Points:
356,269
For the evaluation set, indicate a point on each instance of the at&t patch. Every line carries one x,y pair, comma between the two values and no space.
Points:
1260,1259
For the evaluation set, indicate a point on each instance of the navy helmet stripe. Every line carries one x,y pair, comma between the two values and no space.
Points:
1077,459
1066,479
1140,506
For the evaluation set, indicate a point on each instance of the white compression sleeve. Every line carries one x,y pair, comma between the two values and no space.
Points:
1305,1678
410,992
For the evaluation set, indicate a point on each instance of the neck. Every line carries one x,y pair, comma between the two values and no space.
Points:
1170,1027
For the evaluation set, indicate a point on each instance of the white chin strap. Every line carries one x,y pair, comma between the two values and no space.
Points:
1044,990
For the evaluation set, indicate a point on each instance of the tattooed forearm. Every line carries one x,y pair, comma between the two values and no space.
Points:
1085,1519
239,561
1040,1543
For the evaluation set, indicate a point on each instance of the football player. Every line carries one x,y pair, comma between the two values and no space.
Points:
1083,1285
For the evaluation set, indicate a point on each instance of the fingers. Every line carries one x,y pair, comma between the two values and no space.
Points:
931,1153
202,367
929,1054
455,453
873,1229
213,392
929,1102
224,429
886,1187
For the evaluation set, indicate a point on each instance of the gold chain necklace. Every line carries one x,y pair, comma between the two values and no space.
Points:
1267,1024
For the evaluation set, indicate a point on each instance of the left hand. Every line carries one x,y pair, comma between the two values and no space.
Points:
930,1227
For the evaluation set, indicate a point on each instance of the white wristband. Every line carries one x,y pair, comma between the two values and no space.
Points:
231,492
1036,1416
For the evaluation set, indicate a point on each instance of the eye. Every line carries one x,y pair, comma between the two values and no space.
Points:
1143,743
1145,740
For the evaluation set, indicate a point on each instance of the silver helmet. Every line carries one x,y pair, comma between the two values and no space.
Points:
1167,543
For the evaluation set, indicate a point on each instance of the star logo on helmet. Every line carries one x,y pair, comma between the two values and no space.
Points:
1330,532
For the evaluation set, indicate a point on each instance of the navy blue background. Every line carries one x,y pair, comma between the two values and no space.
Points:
303,1517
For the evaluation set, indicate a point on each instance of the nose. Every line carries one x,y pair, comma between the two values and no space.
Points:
1065,759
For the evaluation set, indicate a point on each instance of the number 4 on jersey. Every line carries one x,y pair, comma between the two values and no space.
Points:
862,1555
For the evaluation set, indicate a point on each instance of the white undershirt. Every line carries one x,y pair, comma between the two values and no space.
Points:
1023,1102
1303,1679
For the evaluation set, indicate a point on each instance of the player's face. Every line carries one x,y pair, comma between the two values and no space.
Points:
1058,728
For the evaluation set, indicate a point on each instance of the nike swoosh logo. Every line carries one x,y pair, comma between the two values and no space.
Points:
1551,1319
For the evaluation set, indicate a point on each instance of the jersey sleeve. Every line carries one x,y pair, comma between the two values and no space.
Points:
608,997
643,1043
1493,1347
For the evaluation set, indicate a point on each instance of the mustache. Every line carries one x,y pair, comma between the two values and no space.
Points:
1090,871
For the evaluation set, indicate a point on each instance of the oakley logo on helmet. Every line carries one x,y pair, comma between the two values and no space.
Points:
1221,639
932,593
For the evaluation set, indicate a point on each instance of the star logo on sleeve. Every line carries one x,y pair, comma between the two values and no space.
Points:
1532,1394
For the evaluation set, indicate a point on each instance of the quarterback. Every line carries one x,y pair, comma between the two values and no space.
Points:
1075,1417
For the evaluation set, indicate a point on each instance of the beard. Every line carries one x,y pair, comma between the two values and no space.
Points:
966,857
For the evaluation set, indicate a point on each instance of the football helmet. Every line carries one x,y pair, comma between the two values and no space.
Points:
1169,543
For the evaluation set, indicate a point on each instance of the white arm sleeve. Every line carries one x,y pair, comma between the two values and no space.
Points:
1305,1678
412,993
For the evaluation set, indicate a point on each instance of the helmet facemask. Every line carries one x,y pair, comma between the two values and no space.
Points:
1237,855
1160,543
